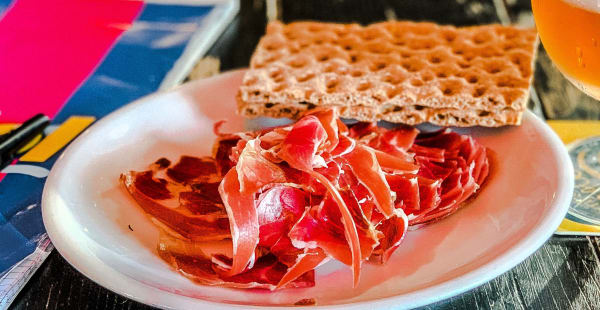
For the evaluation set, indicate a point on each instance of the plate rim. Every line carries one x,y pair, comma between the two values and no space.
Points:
434,293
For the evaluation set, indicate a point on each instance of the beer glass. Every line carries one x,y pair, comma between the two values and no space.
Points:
570,33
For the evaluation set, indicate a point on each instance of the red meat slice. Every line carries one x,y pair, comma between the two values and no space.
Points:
285,251
178,219
364,165
278,209
429,200
392,141
406,188
461,172
204,262
254,170
401,137
299,150
146,184
301,144
344,146
321,227
208,191
441,139
393,231
266,273
363,129
193,168
222,152
197,203
329,121
305,263
237,190
430,153
243,221
436,170
396,164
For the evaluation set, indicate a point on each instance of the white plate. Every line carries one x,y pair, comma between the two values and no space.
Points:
87,214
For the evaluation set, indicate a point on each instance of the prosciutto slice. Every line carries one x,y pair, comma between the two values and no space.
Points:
305,264
299,150
192,168
270,206
329,122
363,162
278,209
158,198
320,227
267,272
243,221
394,230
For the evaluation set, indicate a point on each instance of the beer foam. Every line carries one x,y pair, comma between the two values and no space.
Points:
588,5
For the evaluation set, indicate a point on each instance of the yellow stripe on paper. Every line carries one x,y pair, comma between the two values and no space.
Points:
570,131
5,128
571,226
58,139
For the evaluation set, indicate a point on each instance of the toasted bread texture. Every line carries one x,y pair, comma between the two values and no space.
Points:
403,72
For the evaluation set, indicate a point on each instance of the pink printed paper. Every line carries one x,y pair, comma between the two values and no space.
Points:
48,48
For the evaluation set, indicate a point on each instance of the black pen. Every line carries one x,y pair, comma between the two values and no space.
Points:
13,141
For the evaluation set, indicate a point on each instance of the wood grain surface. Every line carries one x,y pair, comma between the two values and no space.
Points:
563,274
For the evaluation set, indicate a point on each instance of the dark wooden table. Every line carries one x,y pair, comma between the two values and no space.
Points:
563,274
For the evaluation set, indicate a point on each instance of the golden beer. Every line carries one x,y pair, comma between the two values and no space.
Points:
570,33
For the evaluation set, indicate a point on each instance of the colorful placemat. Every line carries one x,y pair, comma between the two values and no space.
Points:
77,61
582,138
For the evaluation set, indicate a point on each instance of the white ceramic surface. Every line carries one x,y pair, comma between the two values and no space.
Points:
87,214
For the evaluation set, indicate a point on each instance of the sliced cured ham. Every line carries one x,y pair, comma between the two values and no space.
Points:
158,201
321,227
193,168
270,206
243,221
329,121
299,150
278,209
267,273
305,263
393,230
363,162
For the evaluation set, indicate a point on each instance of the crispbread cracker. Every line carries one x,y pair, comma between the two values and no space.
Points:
403,72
